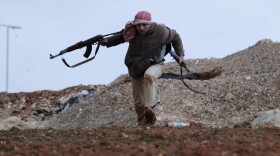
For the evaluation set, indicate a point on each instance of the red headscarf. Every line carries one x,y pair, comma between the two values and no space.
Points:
142,17
129,31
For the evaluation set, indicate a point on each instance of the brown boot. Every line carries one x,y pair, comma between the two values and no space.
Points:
141,115
142,121
150,116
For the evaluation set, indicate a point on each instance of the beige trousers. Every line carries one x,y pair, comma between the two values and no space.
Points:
145,89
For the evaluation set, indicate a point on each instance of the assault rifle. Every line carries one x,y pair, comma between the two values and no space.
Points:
88,44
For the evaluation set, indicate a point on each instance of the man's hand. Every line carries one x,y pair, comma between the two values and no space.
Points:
103,42
182,61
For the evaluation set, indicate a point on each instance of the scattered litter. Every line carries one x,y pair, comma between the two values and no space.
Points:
73,100
177,124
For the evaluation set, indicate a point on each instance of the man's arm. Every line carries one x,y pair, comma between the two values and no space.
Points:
113,40
171,36
177,44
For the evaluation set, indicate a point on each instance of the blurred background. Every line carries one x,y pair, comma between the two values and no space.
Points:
30,30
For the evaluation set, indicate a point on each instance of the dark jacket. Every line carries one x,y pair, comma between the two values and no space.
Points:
148,47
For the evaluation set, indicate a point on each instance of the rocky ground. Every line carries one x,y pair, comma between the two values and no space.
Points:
159,141
237,114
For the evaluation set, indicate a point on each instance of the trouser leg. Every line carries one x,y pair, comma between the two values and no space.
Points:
146,92
138,97
150,88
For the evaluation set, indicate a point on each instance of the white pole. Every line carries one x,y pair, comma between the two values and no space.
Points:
7,62
7,54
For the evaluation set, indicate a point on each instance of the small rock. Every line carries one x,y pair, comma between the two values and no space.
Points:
269,119
229,96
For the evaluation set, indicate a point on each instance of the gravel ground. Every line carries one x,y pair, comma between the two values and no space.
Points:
249,84
103,122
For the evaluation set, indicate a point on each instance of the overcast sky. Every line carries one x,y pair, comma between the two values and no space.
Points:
208,28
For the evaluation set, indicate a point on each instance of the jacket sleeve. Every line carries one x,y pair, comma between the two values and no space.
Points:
115,40
171,36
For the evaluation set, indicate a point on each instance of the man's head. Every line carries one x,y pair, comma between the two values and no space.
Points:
143,21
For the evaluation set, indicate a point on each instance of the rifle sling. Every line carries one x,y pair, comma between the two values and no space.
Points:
182,78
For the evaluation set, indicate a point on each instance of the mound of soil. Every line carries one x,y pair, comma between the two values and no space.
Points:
100,119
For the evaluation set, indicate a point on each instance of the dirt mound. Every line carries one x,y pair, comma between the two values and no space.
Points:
102,118
248,85
25,108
